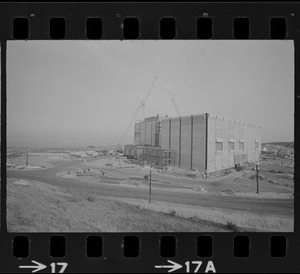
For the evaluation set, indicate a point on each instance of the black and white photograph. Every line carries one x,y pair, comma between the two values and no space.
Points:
150,136
0,135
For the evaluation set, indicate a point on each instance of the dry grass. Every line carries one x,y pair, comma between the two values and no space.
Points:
244,221
39,207
232,226
42,159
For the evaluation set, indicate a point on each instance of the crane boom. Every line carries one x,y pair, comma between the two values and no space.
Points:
141,105
175,106
150,89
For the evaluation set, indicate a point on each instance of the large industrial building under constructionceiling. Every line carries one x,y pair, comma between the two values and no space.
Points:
201,142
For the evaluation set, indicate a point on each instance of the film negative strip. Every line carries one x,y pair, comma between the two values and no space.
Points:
116,153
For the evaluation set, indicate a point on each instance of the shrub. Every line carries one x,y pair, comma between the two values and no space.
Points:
173,213
91,198
232,226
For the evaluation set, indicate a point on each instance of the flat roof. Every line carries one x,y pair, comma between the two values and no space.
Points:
216,116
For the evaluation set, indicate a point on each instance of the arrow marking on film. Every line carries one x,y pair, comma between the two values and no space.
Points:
173,267
38,266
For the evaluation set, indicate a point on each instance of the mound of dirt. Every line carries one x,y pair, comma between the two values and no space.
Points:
22,183
229,192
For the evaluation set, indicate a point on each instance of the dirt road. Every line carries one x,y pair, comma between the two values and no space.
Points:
282,207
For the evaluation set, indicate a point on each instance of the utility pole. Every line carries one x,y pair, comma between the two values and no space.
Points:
27,158
150,188
257,187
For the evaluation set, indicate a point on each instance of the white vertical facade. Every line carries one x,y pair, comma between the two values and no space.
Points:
245,137
204,142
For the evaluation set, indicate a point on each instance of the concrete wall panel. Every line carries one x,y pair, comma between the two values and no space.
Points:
148,133
158,138
250,144
236,137
185,157
199,142
219,159
137,127
137,130
241,131
231,159
219,127
259,138
231,125
254,139
137,139
211,143
152,133
245,138
153,129
143,134
231,130
175,141
231,137
225,159
191,147
242,136
259,144
164,136
254,157
157,134
249,141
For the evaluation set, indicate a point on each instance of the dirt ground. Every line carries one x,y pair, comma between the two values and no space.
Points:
38,207
272,185
34,206
18,159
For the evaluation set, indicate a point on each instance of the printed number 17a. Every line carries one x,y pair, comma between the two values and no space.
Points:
209,267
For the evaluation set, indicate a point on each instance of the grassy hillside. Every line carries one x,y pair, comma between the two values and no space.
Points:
286,144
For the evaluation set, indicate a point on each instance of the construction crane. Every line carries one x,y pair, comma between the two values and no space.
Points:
175,106
140,106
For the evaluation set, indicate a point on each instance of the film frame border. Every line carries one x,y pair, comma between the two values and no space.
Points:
149,15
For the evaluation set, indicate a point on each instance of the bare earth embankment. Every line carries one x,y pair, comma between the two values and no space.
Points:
38,207
58,192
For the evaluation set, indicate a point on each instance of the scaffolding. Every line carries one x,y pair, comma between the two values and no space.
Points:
151,155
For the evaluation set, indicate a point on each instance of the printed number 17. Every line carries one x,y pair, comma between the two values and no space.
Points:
62,269
198,263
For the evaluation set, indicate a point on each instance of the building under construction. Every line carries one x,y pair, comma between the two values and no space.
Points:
201,142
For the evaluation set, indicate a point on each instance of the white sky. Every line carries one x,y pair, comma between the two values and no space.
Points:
71,93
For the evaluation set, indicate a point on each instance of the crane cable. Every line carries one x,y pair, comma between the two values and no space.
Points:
175,106
141,105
